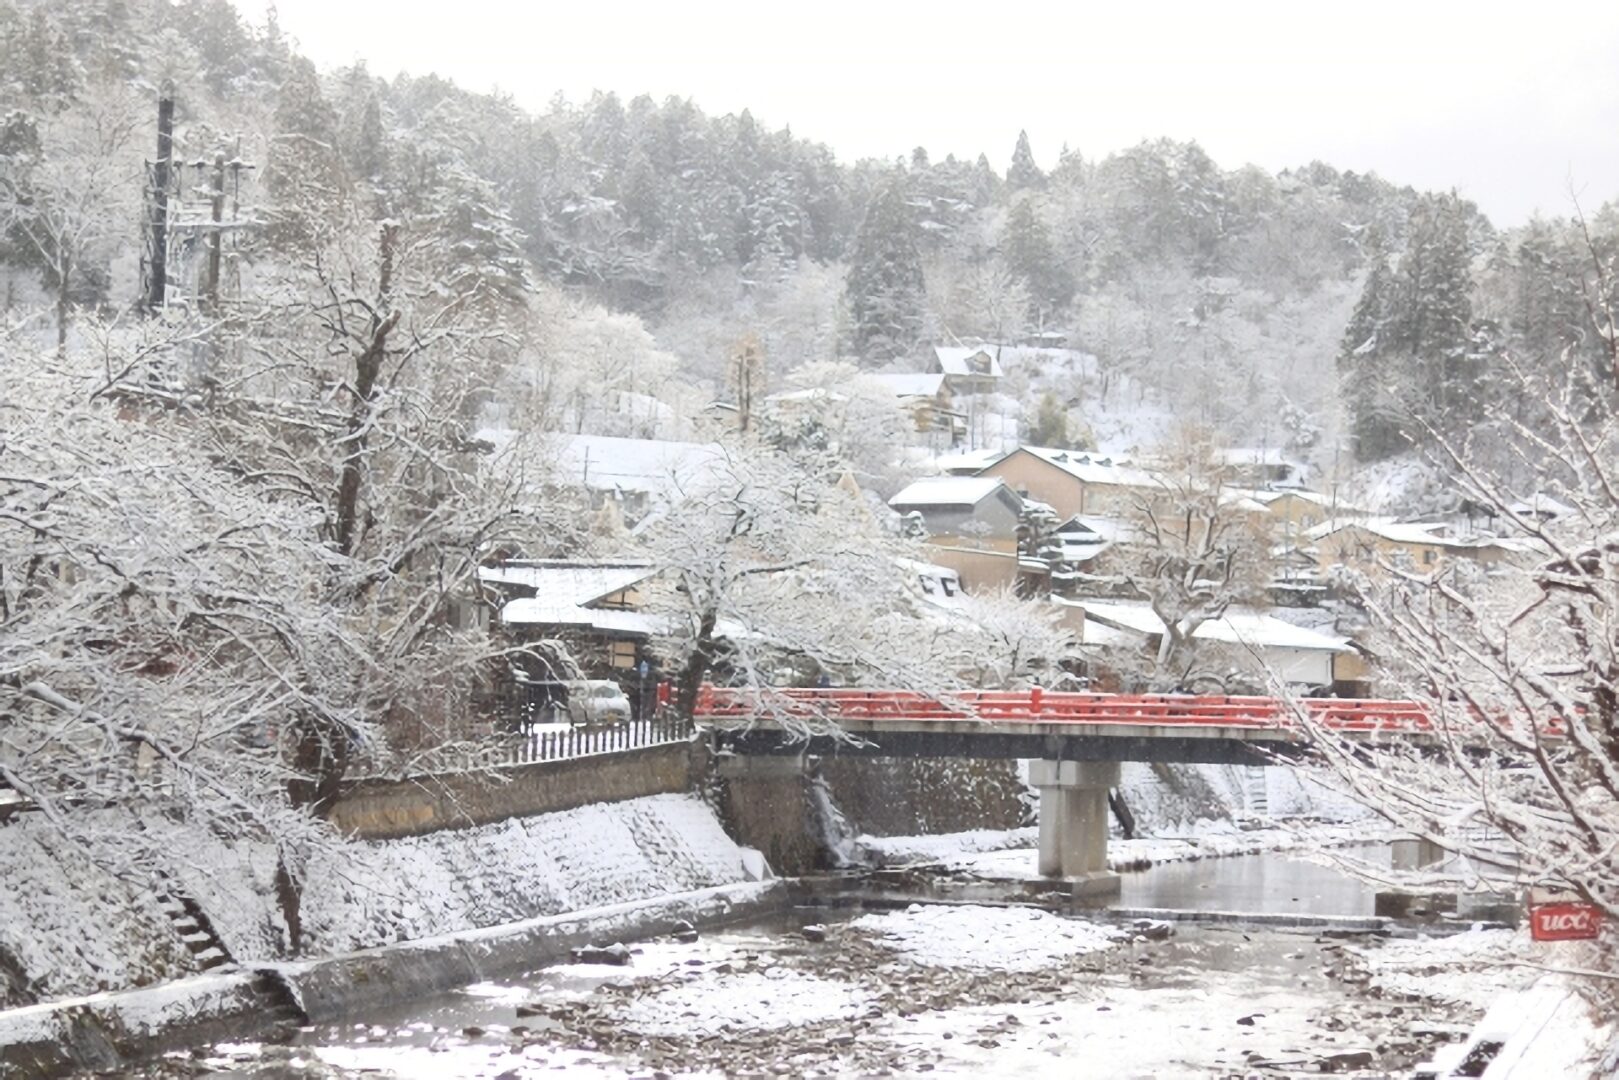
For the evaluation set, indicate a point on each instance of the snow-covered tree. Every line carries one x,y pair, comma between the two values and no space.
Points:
774,573
1519,666
885,288
68,194
1196,553
837,408
154,610
1023,173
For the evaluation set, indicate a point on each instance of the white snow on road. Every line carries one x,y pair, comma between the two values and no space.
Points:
992,938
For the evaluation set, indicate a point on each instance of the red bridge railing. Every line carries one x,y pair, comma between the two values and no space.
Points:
719,704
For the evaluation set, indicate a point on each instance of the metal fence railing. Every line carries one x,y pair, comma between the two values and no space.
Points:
556,743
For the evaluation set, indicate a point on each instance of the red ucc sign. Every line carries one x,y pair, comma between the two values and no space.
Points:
1564,922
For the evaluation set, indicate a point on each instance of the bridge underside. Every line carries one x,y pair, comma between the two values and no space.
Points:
1204,748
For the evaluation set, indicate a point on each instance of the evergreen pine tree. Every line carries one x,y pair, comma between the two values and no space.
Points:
1050,426
1024,173
1373,372
305,175
1435,313
1027,249
885,287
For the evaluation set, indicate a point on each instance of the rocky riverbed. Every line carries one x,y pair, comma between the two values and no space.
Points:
968,991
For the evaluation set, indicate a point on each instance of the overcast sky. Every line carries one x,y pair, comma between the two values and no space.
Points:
1509,103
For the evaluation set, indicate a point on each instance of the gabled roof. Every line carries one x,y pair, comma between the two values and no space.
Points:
1091,467
1249,628
909,384
953,360
567,582
564,590
949,491
1398,532
1271,495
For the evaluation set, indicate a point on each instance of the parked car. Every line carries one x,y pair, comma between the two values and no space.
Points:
595,703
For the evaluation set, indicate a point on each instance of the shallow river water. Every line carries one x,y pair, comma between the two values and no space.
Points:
962,992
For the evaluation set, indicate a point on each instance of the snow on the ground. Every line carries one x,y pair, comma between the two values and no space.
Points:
1211,1020
1546,1028
1005,854
713,1003
897,850
993,938
1472,968
447,882
459,1057
68,927
73,930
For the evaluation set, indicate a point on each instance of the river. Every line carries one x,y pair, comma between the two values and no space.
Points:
948,991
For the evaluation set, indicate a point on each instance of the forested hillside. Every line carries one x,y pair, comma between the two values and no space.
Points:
1237,297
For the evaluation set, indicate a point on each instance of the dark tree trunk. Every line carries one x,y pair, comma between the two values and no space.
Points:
695,670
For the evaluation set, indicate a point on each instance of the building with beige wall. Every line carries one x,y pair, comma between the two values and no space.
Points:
1075,482
1373,547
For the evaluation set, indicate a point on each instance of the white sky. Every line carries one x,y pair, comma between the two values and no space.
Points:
1510,103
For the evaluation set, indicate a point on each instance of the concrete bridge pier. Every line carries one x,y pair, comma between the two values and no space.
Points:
1416,853
1073,822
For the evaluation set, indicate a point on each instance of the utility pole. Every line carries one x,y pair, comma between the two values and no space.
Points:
217,233
157,264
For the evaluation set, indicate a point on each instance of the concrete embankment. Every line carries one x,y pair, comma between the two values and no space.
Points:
339,986
107,1031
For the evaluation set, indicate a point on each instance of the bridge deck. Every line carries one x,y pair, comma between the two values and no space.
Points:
1048,724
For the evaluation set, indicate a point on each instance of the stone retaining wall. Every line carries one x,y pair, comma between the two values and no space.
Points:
919,796
391,809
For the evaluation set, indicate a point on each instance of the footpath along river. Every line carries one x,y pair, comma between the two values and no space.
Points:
945,990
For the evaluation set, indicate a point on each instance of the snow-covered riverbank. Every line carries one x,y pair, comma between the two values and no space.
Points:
946,991
1006,854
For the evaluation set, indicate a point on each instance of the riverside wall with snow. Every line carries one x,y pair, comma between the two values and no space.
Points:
67,929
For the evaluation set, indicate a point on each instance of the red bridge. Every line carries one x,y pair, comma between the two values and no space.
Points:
1074,741
1047,724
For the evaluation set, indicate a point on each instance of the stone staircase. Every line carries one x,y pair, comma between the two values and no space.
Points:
194,929
1258,792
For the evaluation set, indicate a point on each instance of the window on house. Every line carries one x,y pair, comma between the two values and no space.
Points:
621,654
1428,556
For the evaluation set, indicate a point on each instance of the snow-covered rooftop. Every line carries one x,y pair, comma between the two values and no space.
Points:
908,384
567,581
957,360
947,491
651,466
941,586
1235,627
1541,505
1399,532
564,591
1252,455
1093,467
968,462
535,611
